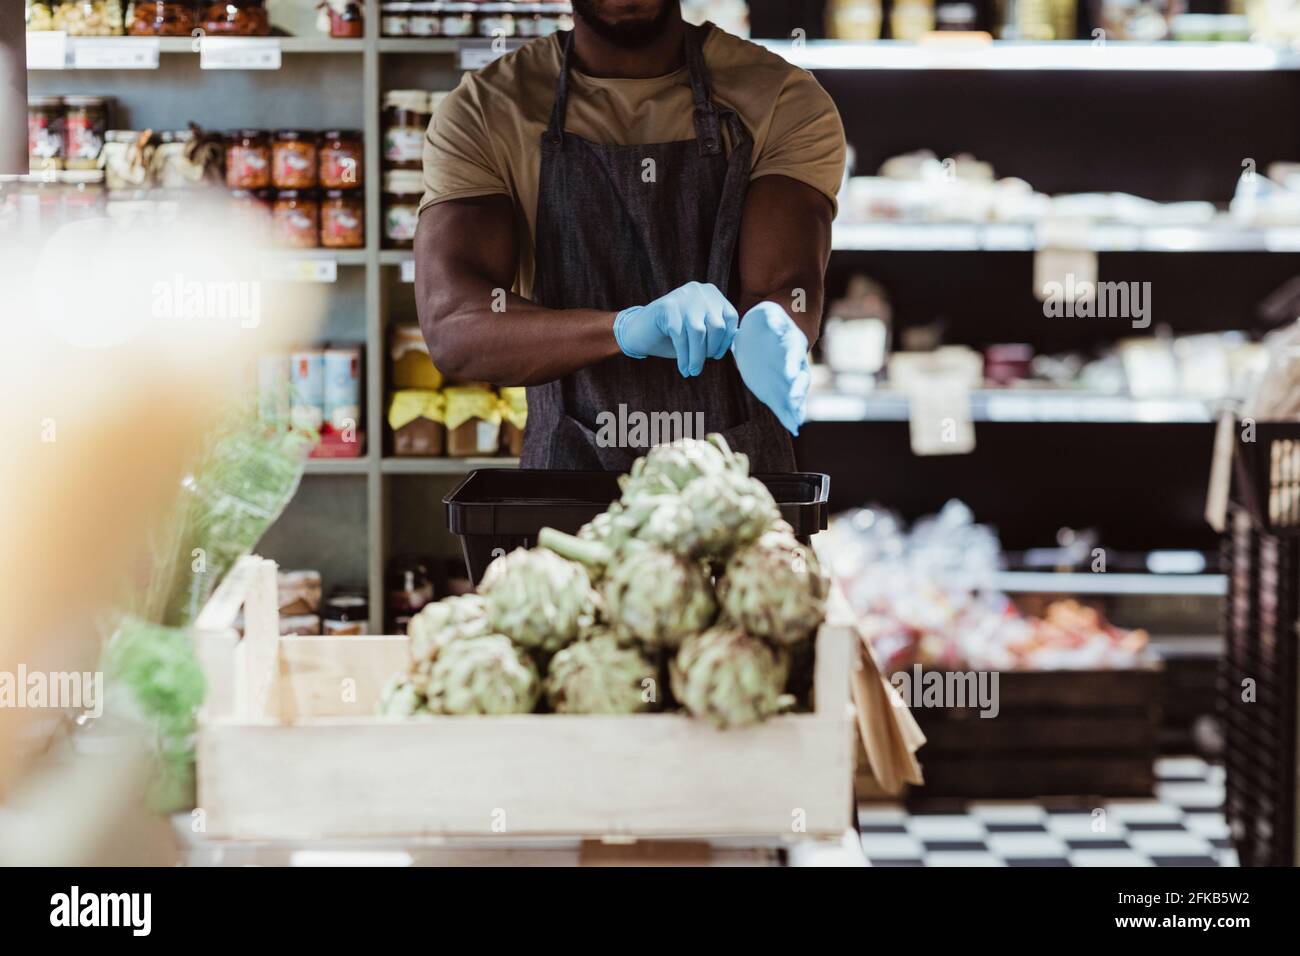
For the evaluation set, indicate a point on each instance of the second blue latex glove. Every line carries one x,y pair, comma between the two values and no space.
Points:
772,355
692,323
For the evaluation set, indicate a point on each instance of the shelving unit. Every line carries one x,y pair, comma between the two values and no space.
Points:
324,82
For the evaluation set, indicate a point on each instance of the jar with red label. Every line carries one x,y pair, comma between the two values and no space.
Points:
293,160
406,120
295,219
45,139
341,159
248,159
85,120
342,220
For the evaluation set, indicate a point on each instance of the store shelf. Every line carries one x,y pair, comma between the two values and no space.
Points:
1026,237
443,466
1082,55
430,45
137,53
337,466
1017,405
1084,582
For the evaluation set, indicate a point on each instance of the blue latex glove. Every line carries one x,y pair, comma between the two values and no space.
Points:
772,355
692,323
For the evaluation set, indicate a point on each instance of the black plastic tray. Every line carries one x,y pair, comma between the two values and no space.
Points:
495,510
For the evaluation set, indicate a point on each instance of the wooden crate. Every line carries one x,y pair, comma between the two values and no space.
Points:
288,749
1056,733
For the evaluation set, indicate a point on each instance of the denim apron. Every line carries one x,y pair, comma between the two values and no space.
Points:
622,225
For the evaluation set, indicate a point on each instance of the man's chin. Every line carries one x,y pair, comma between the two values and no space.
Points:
631,32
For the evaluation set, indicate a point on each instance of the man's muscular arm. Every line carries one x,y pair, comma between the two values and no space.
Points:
785,244
465,261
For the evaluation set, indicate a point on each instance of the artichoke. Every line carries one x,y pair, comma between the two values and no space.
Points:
713,515
774,588
401,698
729,678
601,675
671,467
483,675
649,593
443,621
658,597
538,599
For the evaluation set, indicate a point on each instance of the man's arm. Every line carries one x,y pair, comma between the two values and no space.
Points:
465,261
785,244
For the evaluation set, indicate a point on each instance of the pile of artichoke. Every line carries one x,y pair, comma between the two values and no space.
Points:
691,568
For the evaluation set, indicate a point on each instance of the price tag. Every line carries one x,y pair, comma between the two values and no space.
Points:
408,270
1282,240
126,53
476,54
239,53
47,50
301,270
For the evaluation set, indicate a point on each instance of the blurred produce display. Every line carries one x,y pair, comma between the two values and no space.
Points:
927,597
589,621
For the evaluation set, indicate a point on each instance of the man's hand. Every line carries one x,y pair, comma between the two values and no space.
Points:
772,355
692,323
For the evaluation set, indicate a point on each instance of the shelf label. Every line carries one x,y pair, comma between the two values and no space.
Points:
476,54
47,50
239,53
408,270
125,53
301,270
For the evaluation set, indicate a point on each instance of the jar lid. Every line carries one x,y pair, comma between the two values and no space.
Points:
123,135
248,134
342,134
394,6
295,194
460,7
342,194
416,101
176,135
403,182
82,102
291,135
44,102
502,8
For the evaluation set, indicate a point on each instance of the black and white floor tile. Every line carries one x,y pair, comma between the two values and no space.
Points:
1182,825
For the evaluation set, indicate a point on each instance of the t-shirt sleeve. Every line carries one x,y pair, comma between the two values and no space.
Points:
806,139
458,158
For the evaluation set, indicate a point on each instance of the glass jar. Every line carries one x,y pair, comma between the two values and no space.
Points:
402,192
342,159
45,133
495,20
85,121
526,20
394,19
127,154
553,17
458,19
164,18
248,159
183,159
405,120
347,23
89,18
425,20
245,18
295,219
293,159
252,209
342,220
40,15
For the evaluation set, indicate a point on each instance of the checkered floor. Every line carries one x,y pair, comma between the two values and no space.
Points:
1182,826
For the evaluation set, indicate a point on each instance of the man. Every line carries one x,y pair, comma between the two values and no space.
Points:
659,197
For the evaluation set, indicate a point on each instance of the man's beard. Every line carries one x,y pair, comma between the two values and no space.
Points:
628,34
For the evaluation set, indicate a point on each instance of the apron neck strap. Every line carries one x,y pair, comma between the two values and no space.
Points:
707,128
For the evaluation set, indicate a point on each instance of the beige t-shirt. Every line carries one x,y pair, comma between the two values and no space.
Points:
485,138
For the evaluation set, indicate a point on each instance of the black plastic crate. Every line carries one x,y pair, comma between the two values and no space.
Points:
495,510
1260,620
1266,477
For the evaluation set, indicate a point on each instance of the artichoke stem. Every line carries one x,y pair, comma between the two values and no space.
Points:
593,554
